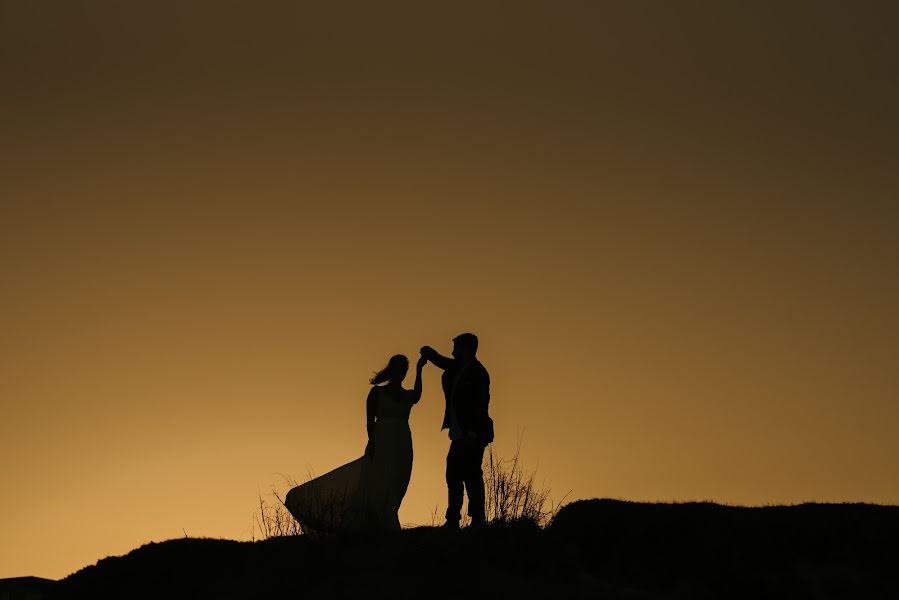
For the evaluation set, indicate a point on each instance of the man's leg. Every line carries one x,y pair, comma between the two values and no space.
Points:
455,469
474,482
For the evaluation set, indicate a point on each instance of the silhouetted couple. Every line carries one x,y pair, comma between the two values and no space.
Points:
366,493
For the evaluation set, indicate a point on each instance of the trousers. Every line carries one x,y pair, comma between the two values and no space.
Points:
464,473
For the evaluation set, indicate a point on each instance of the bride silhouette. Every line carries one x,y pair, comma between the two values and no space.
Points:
366,493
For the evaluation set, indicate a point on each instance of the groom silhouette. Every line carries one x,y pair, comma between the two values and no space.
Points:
466,386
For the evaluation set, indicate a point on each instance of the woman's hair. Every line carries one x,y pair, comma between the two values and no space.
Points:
395,368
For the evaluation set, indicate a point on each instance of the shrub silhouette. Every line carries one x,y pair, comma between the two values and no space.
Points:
512,494
272,519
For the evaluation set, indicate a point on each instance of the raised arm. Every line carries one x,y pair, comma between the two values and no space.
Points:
444,362
415,394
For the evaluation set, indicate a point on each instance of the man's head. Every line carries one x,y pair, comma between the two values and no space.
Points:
465,346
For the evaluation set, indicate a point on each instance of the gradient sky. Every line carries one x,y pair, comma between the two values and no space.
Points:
673,225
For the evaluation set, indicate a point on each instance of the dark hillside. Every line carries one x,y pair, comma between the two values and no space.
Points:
595,548
704,550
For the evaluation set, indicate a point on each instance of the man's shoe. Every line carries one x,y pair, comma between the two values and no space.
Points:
450,525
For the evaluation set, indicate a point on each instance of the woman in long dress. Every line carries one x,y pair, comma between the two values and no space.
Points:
366,493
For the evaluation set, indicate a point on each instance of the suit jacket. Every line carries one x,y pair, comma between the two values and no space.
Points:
470,399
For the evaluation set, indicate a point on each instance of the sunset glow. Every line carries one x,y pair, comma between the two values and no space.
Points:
674,230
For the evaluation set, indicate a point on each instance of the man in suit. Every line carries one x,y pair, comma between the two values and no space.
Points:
466,386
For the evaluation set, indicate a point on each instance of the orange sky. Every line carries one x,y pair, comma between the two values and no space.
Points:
674,230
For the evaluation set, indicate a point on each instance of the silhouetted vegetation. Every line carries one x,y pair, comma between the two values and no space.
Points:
512,494
272,519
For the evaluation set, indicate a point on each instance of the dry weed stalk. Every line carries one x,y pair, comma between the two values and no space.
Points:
273,519
512,495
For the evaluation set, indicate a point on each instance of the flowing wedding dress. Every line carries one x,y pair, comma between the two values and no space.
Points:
366,493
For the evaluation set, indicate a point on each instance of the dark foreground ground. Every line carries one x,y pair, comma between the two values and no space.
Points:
593,549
